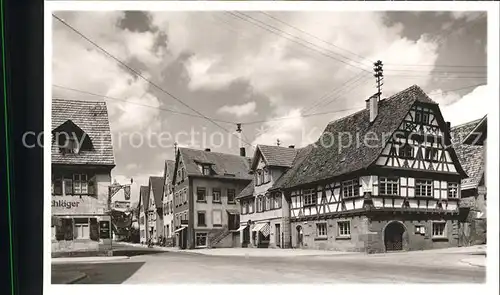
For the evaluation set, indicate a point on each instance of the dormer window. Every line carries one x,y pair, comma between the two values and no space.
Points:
70,146
267,175
206,169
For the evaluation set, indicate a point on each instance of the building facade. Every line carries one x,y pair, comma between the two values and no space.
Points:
205,188
143,214
382,179
154,216
82,161
168,203
261,207
470,144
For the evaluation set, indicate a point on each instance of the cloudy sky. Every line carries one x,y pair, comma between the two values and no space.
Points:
282,75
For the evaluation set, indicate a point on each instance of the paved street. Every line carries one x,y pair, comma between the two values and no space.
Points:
178,267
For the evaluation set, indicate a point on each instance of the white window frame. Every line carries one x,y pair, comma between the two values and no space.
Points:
310,197
453,190
386,183
80,226
197,236
438,235
350,188
425,184
342,231
322,230
219,193
80,184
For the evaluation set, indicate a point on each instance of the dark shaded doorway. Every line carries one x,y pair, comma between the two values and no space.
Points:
300,236
393,236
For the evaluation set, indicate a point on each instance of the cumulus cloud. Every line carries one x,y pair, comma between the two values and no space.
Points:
239,110
284,128
468,108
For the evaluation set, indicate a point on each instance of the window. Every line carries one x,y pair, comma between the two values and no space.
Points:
389,186
185,216
57,186
431,154
244,207
344,228
267,176
201,218
423,188
201,239
452,190
406,151
256,178
70,146
206,169
260,177
438,229
216,218
250,205
260,203
53,230
350,188
216,195
82,230
422,117
321,230
68,186
267,204
80,184
277,201
231,194
201,194
310,197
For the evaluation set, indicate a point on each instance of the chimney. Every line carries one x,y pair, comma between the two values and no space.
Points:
243,152
291,146
207,150
372,106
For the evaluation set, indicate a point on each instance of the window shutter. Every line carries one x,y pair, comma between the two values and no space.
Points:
68,232
68,187
94,229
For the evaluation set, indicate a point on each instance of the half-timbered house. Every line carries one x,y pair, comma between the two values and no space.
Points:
143,213
384,178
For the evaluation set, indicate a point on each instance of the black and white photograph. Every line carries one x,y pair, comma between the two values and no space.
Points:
266,144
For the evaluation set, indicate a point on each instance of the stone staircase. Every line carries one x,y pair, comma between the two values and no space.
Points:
215,236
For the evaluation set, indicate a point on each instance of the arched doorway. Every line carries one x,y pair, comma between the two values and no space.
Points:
394,236
300,236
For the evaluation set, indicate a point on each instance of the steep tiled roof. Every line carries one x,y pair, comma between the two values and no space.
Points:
470,156
285,177
92,118
156,183
144,197
224,165
276,155
247,191
336,153
169,166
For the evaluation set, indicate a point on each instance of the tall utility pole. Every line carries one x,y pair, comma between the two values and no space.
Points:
379,76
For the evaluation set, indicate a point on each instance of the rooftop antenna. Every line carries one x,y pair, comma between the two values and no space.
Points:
379,76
